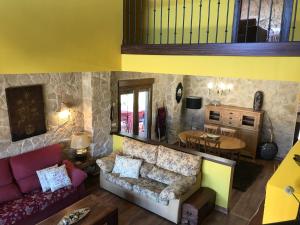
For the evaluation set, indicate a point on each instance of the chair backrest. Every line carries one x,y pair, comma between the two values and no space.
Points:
212,129
212,146
228,132
194,142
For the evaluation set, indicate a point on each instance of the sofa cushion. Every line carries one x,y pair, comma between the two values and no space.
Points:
177,189
164,176
179,162
140,150
107,163
32,203
145,169
123,182
150,189
76,175
24,166
131,168
58,178
5,173
42,178
9,192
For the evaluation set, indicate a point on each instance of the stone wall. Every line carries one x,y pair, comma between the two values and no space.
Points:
164,89
57,87
280,104
265,13
89,95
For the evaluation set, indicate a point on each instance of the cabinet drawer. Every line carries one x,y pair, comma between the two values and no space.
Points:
231,115
233,122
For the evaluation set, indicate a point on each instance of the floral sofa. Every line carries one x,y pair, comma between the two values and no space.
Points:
167,177
22,201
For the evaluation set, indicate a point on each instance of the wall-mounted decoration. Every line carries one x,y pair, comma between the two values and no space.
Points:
258,101
26,111
179,92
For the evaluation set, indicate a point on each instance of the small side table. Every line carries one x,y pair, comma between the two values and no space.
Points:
88,165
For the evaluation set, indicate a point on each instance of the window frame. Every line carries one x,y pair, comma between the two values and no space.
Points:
134,86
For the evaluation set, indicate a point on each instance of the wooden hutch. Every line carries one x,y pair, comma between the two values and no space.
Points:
247,122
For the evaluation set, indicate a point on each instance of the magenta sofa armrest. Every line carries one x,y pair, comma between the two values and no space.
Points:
76,175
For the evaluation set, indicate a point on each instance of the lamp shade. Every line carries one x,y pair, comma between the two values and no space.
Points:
80,140
193,102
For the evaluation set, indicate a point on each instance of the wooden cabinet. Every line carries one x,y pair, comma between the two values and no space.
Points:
245,120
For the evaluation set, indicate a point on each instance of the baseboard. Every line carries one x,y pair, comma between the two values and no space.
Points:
222,209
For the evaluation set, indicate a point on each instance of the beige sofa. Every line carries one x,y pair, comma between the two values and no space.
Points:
167,178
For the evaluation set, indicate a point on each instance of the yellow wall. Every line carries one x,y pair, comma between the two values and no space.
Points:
61,36
279,206
261,68
187,21
214,175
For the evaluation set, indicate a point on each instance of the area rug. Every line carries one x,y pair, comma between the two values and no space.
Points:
245,174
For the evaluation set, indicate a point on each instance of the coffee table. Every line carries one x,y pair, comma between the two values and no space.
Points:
99,214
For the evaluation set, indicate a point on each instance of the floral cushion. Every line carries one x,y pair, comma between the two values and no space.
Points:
131,168
178,188
58,177
107,163
164,176
145,169
150,189
140,150
42,178
179,162
123,182
32,203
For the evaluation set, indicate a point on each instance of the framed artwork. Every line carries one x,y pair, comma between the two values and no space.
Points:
25,111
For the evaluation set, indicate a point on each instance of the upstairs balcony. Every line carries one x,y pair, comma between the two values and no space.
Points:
212,27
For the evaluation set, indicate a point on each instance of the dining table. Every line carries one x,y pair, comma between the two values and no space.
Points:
232,145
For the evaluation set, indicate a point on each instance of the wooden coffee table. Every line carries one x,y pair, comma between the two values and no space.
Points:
98,215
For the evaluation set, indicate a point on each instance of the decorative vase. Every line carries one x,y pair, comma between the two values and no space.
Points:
258,101
268,150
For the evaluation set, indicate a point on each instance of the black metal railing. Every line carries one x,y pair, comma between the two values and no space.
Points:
197,22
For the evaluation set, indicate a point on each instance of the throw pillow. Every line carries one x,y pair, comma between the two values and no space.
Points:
58,178
131,168
42,178
119,161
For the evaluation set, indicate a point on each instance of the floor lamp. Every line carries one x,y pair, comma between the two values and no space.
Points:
193,102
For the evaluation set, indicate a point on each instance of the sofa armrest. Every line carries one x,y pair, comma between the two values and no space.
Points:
107,163
177,189
76,175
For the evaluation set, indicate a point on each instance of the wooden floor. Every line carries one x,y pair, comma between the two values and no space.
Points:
244,205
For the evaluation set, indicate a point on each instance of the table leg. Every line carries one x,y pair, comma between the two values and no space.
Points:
112,219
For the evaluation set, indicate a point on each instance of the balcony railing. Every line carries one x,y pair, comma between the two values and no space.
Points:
212,27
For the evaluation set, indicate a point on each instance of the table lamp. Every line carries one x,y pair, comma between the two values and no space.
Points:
193,102
80,142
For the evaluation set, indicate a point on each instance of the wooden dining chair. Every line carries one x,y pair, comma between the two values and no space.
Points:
229,132
212,129
212,146
194,142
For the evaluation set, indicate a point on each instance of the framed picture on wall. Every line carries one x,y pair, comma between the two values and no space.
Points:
26,111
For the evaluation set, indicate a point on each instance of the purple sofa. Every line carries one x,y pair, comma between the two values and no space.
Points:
22,201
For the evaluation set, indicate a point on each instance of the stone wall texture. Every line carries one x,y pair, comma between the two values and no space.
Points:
164,89
280,104
58,87
92,95
89,96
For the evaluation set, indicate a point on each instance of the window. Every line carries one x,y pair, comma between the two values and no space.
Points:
135,101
